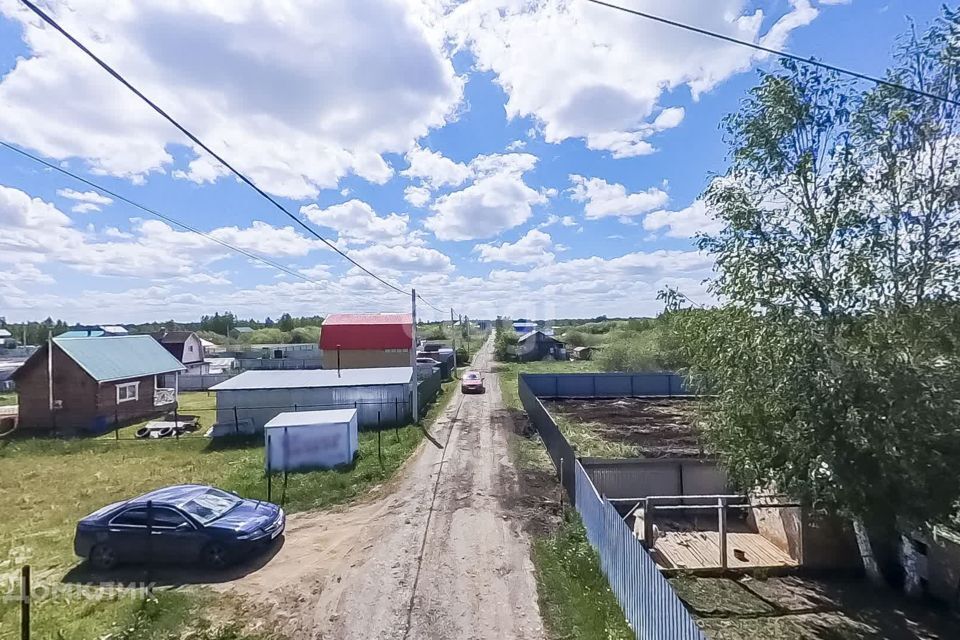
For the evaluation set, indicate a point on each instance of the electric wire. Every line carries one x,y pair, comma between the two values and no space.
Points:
161,216
776,52
106,67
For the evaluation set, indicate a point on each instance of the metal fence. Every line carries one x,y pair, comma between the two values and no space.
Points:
203,381
562,454
427,390
649,603
606,385
639,478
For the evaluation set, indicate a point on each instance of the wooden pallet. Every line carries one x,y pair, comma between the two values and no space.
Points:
701,550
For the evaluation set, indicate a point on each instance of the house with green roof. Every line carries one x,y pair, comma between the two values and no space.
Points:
91,384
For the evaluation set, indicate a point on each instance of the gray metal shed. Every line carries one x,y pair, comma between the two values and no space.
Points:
262,395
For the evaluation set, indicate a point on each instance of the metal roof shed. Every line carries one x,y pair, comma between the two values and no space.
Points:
311,439
379,395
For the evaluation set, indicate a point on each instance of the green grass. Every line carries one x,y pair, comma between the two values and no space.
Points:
8,398
575,599
508,372
47,484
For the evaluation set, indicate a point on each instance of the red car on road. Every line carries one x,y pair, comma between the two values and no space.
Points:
472,382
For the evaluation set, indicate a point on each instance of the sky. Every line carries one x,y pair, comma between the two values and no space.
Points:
537,158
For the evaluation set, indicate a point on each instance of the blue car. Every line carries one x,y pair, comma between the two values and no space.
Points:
186,523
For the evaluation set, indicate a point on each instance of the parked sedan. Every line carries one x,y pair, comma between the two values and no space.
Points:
185,524
472,382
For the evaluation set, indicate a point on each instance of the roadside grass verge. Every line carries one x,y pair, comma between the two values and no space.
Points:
7,399
575,598
48,484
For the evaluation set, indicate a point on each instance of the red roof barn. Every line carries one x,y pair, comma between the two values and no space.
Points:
366,340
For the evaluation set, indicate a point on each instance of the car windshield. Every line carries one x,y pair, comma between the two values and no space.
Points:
210,505
472,376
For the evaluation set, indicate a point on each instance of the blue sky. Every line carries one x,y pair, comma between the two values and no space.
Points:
535,159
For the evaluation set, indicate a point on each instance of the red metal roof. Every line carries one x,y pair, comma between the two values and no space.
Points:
367,331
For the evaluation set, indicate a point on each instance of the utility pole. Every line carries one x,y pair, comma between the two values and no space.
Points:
453,335
413,358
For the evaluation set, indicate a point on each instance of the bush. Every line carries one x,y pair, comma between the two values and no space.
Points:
574,339
503,344
305,335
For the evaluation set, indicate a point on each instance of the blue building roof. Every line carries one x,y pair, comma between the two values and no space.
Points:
119,357
83,333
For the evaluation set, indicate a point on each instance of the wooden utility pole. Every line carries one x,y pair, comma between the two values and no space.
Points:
414,392
453,336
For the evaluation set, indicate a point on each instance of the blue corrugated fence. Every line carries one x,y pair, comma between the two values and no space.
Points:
606,385
649,603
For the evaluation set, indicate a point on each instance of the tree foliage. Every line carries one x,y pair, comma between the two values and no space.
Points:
834,360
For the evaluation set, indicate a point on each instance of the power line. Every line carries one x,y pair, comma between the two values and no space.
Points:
776,52
166,218
106,67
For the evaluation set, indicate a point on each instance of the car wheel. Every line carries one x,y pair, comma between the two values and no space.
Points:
103,556
215,556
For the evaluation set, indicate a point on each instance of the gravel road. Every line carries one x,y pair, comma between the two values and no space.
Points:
439,554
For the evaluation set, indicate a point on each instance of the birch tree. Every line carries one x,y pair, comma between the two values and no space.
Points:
835,359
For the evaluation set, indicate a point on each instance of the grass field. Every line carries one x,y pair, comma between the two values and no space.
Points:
8,398
509,371
46,485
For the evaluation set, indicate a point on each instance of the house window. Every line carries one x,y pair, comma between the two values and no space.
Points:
395,350
127,392
190,348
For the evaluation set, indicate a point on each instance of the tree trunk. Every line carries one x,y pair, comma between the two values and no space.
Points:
911,574
870,565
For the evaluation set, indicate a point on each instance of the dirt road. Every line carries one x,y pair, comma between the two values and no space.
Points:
441,555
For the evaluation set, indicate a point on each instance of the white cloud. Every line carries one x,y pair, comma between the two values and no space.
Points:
295,94
356,221
403,259
532,248
497,200
517,145
602,199
88,201
585,71
36,232
417,196
435,169
686,223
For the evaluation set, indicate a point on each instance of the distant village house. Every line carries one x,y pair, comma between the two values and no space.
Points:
186,347
358,341
97,382
539,346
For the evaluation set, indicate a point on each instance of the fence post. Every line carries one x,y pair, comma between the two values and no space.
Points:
561,483
25,602
722,516
396,410
379,449
236,420
269,473
295,406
